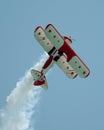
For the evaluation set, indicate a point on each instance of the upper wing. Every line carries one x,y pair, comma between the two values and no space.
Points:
65,67
72,58
54,36
42,39
81,69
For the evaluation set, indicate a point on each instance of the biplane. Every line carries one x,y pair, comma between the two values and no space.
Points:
60,52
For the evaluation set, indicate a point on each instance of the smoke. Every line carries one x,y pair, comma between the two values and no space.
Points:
21,103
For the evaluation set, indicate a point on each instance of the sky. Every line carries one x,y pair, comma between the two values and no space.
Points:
67,104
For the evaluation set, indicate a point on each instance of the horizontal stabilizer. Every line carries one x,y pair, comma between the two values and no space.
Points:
39,79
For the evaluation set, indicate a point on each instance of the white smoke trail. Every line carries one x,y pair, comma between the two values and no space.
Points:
21,103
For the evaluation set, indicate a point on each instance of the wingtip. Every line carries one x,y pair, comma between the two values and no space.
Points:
38,28
48,25
88,74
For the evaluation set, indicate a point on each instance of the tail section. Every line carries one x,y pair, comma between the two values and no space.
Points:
39,79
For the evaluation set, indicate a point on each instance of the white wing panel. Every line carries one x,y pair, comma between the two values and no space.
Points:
66,68
79,67
42,39
54,36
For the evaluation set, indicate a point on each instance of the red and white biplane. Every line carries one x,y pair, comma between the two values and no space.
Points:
60,52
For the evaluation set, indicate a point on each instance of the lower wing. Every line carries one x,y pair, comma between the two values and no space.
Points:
65,67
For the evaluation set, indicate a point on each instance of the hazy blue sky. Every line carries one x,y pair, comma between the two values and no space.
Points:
68,104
